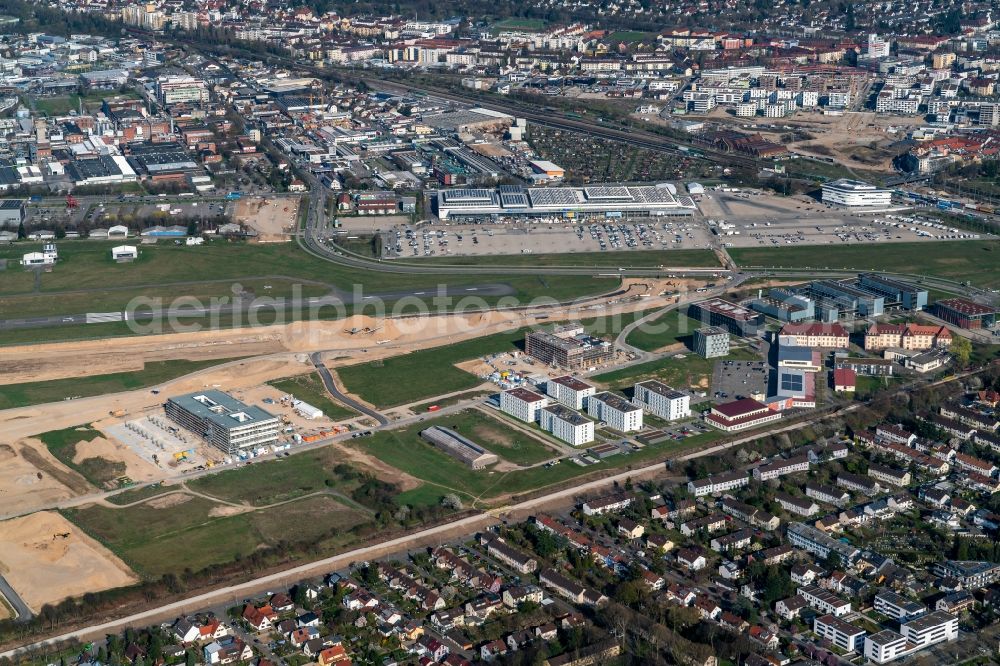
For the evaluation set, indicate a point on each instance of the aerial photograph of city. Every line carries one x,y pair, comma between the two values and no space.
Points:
524,332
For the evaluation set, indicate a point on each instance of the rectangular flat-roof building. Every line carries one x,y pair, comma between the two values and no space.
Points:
965,313
741,414
909,296
734,318
616,411
224,421
570,426
522,403
459,447
841,633
711,341
570,391
663,401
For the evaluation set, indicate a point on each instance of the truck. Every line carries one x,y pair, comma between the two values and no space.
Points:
233,196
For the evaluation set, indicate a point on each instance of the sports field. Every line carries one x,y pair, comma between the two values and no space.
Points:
975,261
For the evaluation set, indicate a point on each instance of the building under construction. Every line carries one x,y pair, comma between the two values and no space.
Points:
224,421
568,347
459,447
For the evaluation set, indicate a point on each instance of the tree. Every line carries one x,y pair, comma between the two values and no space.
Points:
21,233
962,349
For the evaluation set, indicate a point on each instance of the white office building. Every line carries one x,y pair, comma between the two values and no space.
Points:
663,401
570,391
571,427
522,403
846,192
616,411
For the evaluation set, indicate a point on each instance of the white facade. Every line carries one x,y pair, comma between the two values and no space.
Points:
569,426
932,628
842,634
663,401
845,192
522,404
616,411
124,252
885,646
570,391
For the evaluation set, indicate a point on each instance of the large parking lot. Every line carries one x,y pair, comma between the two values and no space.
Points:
732,380
526,238
750,219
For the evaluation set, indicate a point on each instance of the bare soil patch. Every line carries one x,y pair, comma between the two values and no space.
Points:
46,559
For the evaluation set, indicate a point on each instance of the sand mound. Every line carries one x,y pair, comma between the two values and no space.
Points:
167,501
136,468
47,559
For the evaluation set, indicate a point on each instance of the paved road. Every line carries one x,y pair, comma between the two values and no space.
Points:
400,544
14,599
331,386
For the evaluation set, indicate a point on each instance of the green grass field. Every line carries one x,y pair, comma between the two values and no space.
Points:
636,259
496,436
442,474
667,329
271,481
423,374
171,537
153,373
62,445
631,36
309,387
519,23
85,271
976,261
691,371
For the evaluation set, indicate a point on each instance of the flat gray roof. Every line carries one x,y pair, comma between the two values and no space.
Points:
221,408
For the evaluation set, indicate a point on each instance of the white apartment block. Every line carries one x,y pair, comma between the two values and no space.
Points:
719,483
839,632
824,601
932,628
571,427
663,401
570,391
522,404
616,411
897,606
885,646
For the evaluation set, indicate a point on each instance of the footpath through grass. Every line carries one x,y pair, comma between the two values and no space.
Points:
668,329
153,373
186,532
975,261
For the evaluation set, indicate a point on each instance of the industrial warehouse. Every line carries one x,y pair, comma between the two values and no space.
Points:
603,201
459,447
